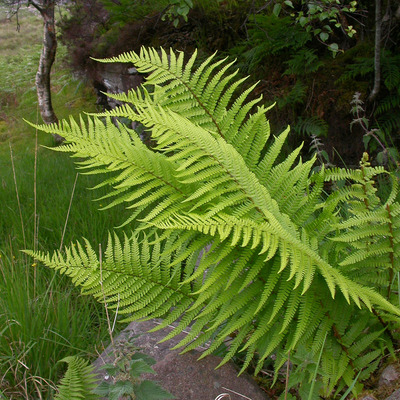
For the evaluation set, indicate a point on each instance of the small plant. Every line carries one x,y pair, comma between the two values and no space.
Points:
122,379
178,9
123,376
385,155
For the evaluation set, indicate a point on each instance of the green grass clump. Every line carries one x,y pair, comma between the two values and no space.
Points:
42,319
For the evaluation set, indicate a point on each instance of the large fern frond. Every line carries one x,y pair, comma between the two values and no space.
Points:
284,264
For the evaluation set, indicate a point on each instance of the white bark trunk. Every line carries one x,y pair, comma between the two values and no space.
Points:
46,61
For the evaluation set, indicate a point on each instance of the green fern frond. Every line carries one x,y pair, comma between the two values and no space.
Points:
78,382
311,126
387,104
201,96
125,278
233,239
391,71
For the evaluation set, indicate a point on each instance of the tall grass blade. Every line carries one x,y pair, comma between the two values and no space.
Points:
16,191
316,370
347,392
69,209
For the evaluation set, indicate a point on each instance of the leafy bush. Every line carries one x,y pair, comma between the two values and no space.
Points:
228,239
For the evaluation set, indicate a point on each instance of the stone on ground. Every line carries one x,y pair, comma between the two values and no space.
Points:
181,374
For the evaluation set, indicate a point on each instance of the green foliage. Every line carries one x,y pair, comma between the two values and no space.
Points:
312,126
123,376
78,382
296,95
268,36
42,317
304,62
178,9
125,11
374,139
320,17
228,239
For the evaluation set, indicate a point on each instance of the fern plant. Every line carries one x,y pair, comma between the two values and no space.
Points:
224,236
78,382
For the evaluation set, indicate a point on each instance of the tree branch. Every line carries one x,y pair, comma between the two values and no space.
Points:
36,5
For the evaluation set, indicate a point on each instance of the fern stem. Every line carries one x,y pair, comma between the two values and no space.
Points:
385,325
287,376
344,348
206,110
364,181
391,254
104,297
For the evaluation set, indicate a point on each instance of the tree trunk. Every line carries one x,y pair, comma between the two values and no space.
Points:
377,61
46,61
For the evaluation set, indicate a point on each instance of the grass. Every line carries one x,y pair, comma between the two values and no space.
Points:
42,318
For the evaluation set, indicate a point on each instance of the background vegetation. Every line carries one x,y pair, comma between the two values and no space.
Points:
311,84
42,318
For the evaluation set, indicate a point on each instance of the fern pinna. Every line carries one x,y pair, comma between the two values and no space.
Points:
286,265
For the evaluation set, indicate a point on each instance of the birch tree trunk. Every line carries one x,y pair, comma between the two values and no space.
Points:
47,57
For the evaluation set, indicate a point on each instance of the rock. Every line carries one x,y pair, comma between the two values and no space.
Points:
368,397
395,395
389,375
114,78
181,374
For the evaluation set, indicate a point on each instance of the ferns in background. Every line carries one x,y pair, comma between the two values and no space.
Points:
312,126
286,267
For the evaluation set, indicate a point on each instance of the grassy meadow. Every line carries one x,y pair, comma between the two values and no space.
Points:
43,203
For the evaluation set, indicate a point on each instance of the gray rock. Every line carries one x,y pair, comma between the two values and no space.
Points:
368,397
395,395
389,375
182,374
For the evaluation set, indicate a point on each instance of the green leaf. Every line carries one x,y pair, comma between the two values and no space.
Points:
334,47
142,356
103,389
149,390
324,36
303,21
138,367
111,369
119,389
277,9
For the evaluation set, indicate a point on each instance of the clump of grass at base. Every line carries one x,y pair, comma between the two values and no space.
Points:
42,319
